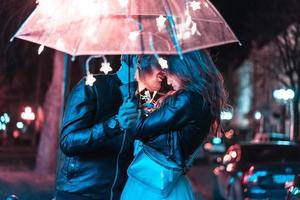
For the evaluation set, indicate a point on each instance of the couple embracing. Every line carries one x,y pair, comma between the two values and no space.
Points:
105,125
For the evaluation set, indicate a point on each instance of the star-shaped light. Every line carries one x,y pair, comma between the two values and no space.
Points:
160,22
194,28
133,35
90,79
60,44
105,67
163,63
196,5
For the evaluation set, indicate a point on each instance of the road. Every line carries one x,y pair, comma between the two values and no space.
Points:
16,177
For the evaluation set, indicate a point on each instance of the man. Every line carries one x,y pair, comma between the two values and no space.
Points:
95,149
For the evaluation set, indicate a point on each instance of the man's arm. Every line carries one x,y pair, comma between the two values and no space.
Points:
79,134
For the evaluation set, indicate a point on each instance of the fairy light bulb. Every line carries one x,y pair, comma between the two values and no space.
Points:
104,9
160,22
90,79
194,28
105,67
205,4
133,35
195,5
90,31
60,44
41,49
123,3
188,21
47,6
90,8
163,63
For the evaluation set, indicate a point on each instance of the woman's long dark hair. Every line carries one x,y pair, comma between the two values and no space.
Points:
198,73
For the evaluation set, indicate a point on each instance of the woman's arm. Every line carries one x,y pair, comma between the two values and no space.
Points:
170,116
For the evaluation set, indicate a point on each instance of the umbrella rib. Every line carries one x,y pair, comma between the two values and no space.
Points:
45,37
173,33
156,35
224,21
141,29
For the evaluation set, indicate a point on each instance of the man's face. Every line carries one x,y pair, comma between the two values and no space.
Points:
151,80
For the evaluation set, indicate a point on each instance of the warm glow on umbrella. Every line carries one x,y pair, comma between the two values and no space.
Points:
109,27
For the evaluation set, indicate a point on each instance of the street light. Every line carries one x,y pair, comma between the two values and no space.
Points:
28,114
226,115
20,125
286,96
257,115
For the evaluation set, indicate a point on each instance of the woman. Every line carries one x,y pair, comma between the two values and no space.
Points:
182,120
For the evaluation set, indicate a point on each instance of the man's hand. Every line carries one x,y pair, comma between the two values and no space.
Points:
128,114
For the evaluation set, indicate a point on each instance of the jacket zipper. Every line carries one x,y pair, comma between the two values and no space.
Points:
117,167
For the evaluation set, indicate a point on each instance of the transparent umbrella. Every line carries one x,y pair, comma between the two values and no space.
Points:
103,27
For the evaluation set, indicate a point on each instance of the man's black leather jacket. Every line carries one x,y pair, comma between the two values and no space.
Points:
94,156
178,127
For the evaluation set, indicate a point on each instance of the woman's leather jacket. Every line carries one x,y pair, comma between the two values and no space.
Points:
178,127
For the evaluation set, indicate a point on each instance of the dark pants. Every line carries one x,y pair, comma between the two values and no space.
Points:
60,195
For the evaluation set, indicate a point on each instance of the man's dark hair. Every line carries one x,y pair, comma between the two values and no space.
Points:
144,63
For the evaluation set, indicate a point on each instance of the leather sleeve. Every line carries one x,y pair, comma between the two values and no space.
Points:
79,134
172,115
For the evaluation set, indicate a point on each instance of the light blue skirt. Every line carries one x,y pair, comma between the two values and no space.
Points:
135,190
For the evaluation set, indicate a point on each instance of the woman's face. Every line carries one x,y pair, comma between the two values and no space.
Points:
174,81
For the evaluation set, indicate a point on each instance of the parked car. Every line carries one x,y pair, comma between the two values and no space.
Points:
256,171
293,189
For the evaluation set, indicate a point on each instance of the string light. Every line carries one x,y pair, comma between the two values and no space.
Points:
133,35
90,79
187,28
90,31
47,6
194,28
105,67
123,3
41,49
160,22
104,9
91,8
205,4
163,63
195,5
60,44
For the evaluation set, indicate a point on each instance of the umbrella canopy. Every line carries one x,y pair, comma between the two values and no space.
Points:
93,27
